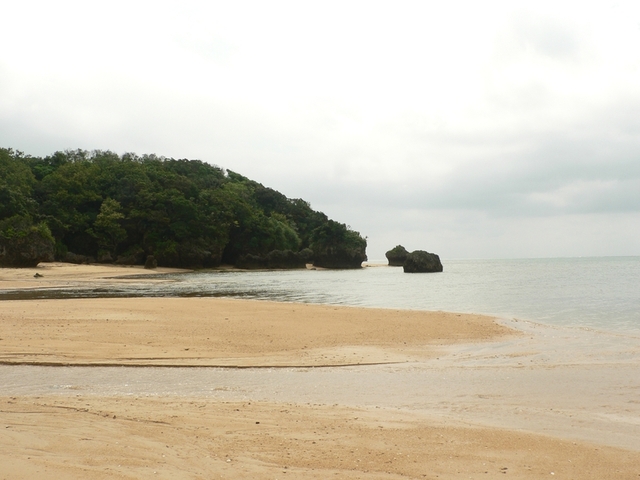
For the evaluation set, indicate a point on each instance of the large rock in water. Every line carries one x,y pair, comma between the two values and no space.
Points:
420,261
397,256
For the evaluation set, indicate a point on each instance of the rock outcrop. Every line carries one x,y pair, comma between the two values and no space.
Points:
285,259
26,252
251,262
335,245
23,244
420,261
396,256
77,259
151,263
134,257
276,259
104,257
340,259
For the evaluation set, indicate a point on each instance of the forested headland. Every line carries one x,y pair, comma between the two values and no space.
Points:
98,206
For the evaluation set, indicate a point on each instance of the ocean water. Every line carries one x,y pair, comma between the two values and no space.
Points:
601,293
574,373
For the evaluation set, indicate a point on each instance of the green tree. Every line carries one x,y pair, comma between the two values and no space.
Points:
70,202
16,185
107,229
185,212
335,245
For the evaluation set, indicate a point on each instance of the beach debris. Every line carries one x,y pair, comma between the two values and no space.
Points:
37,275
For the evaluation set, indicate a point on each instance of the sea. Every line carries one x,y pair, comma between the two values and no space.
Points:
572,373
601,293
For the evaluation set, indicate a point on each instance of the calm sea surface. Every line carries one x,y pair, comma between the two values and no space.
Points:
590,393
601,293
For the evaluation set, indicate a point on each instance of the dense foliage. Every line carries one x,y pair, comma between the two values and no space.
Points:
109,208
335,246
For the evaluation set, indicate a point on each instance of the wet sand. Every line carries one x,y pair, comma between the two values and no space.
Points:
321,392
58,274
169,438
225,332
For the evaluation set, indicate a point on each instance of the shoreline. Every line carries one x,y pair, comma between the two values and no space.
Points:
213,331
309,390
207,331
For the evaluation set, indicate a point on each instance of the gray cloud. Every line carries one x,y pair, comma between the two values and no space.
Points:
547,37
421,126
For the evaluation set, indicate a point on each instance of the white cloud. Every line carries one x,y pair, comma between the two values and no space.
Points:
483,120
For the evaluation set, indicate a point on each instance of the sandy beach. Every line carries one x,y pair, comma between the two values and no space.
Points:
289,396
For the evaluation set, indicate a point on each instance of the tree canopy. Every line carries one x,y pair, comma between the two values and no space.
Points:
101,206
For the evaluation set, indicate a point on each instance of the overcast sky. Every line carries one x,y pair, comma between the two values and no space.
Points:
469,129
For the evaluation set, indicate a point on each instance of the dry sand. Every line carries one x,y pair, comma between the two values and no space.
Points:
78,436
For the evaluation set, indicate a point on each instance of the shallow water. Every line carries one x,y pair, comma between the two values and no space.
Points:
587,392
602,293
574,373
